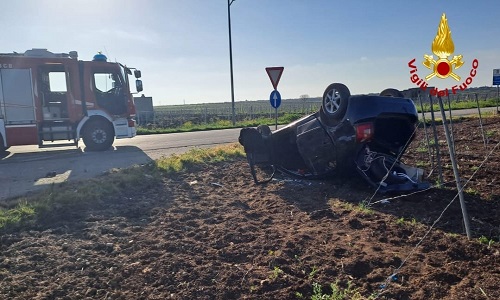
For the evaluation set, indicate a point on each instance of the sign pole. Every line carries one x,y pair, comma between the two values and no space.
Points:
496,81
229,2
498,97
276,118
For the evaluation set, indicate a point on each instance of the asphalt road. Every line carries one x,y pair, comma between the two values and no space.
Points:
28,168
461,112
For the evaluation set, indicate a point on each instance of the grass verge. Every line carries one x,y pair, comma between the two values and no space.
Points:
177,163
221,124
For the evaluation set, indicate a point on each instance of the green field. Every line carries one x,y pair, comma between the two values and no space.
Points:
208,116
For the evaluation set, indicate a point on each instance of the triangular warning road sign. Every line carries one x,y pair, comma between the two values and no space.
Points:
274,74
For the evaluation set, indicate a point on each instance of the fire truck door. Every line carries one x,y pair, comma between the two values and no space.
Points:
18,108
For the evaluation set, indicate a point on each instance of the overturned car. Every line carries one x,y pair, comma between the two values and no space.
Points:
362,133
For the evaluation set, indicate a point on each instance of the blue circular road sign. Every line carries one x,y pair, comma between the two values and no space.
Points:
275,99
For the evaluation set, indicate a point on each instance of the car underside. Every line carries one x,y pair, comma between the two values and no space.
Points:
361,134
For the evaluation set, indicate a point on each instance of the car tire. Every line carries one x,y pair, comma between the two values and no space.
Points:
334,103
98,135
264,130
392,93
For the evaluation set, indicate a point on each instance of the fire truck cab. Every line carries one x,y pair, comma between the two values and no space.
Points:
47,97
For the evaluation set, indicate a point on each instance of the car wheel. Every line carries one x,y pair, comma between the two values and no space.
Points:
264,130
392,93
334,104
98,135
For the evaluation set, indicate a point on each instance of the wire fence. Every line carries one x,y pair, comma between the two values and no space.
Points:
491,150
393,277
214,112
177,115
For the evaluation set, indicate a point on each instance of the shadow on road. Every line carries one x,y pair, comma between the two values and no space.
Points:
29,171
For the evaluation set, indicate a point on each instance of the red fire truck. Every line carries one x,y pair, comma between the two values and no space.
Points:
47,97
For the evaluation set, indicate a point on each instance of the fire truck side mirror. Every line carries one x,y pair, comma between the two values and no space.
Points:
138,85
137,73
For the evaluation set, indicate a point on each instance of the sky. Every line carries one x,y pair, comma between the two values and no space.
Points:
182,46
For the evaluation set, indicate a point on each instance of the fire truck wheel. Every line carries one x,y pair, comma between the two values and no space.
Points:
98,135
2,146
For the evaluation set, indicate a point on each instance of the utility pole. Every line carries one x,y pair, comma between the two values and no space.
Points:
229,2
